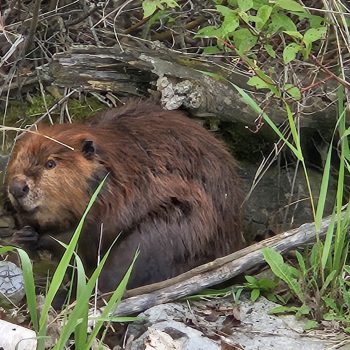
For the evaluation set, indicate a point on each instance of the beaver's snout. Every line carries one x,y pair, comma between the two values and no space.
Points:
19,188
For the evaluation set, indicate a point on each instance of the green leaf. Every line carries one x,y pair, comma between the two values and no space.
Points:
303,311
211,50
149,7
244,40
153,19
80,335
281,299
315,254
310,36
310,324
252,280
229,25
230,22
293,34
283,310
282,270
330,278
255,19
290,5
254,295
263,13
290,52
315,21
224,10
280,21
245,5
314,34
301,263
293,91
272,297
264,81
245,17
267,284
258,3
269,49
258,83
331,303
209,32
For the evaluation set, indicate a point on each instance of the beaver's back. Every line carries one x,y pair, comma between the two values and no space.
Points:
152,143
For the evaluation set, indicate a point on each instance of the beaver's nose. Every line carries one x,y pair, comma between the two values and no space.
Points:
19,188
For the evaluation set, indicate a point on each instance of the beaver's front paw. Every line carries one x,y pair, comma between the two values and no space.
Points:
26,238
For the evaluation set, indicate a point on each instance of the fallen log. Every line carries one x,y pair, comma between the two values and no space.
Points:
192,82
218,271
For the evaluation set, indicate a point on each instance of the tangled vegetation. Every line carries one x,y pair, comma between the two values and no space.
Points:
291,52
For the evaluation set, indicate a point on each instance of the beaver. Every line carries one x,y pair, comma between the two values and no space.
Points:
172,190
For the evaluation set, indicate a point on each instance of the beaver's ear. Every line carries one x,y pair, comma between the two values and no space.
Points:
88,149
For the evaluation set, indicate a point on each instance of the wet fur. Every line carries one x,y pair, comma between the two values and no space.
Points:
172,190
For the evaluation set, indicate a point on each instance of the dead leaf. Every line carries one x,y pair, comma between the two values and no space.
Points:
228,345
212,317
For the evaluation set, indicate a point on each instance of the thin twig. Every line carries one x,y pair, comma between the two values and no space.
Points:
326,70
33,26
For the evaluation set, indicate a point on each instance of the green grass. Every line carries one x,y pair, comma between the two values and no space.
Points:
316,282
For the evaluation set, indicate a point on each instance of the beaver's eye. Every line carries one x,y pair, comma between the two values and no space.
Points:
50,164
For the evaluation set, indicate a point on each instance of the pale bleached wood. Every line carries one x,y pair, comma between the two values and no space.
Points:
218,271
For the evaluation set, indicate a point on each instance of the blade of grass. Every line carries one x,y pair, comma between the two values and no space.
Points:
77,315
29,287
324,189
344,151
80,335
327,248
250,102
112,303
295,134
62,266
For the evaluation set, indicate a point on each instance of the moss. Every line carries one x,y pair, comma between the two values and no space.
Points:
37,105
28,112
80,111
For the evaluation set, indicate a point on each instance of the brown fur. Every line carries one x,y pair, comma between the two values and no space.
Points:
172,190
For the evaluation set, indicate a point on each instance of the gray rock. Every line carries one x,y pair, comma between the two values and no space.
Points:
220,324
279,202
261,331
162,329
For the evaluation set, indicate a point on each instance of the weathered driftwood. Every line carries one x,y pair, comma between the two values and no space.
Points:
131,69
218,271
